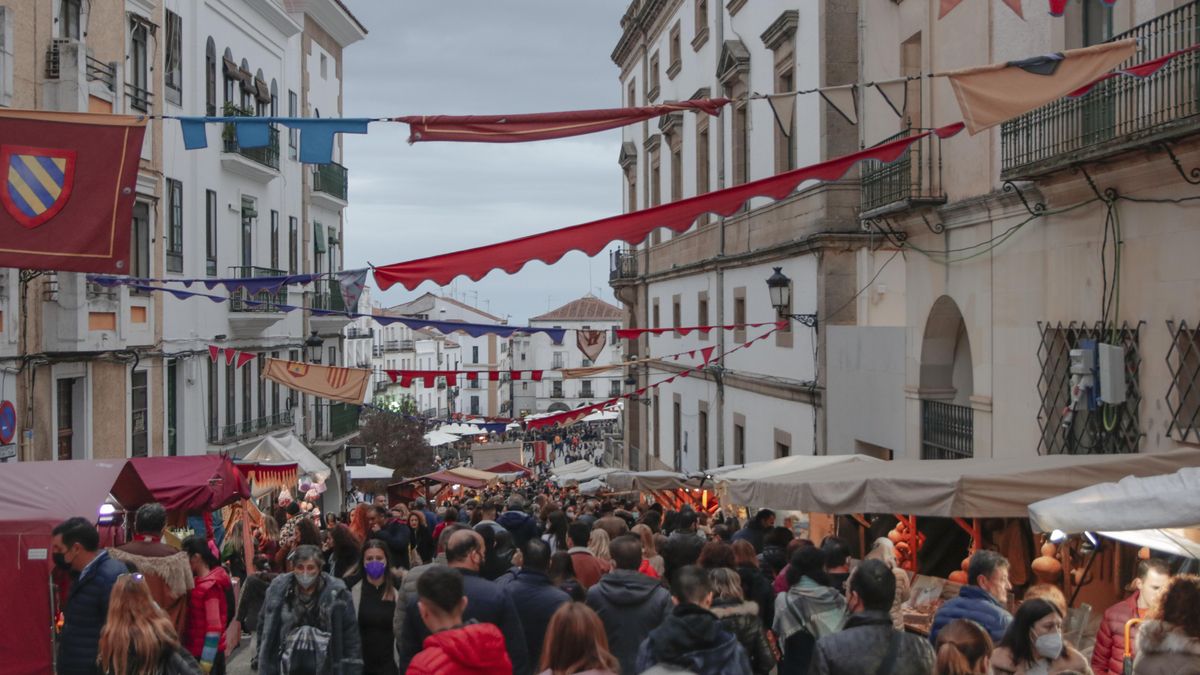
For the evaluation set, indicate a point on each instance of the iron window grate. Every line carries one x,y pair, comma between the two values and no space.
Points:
1087,433
1183,393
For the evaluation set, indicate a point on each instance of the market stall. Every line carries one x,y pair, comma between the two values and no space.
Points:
431,485
369,472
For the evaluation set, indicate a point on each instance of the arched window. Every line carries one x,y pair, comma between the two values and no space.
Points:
274,98
247,86
229,69
262,94
210,77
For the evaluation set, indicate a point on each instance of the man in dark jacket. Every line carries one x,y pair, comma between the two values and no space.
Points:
773,557
869,640
76,550
756,529
981,601
535,597
522,525
1109,653
630,604
691,638
486,602
683,545
392,532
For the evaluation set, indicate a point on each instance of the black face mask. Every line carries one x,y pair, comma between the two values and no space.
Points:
60,561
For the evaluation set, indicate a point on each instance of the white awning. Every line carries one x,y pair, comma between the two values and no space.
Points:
369,472
288,448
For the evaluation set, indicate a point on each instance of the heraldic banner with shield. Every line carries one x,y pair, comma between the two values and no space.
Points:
68,193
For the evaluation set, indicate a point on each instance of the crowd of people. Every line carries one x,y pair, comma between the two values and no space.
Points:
544,581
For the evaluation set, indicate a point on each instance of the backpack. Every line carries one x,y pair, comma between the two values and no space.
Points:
305,649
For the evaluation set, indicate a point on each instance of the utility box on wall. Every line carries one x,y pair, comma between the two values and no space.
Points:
1111,370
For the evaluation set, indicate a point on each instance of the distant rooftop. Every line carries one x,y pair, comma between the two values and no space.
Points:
586,308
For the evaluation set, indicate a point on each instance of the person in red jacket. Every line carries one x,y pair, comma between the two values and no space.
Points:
208,606
1109,653
454,648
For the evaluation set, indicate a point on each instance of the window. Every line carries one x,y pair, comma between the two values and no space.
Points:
700,16
274,239
614,388
324,67
248,215
293,245
7,19
172,407
741,143
702,179
652,91
139,67
524,386
274,109
655,191
739,442
782,450
585,388
656,432
631,188
230,398
474,405
475,354
139,414
173,78
739,313
702,314
274,394
702,438
210,78
1183,394
68,403
69,17
247,86
247,410
558,360
210,232
174,225
261,94
556,389
676,53
654,322
631,94
262,388
676,143
214,421
293,134
677,433
230,77
676,314
785,148
139,243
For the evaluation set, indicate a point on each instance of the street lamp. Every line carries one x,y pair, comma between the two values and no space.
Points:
631,386
313,346
780,288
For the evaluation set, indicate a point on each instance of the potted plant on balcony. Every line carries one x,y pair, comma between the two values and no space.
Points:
231,109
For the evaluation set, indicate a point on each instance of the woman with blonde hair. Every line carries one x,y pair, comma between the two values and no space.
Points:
884,551
652,562
138,638
576,643
598,545
963,648
741,618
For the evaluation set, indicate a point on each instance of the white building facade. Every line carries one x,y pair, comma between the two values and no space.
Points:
539,352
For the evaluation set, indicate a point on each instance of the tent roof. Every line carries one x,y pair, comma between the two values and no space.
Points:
288,448
577,466
473,474
448,478
509,467
1132,503
785,467
369,472
192,482
968,488
50,492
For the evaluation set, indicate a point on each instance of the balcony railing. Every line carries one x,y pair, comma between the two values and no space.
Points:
328,296
391,345
356,332
330,179
139,99
947,430
1119,113
912,180
102,72
239,430
268,156
343,421
265,301
622,265
376,351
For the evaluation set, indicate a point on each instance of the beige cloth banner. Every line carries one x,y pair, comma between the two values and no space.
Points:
348,385
989,95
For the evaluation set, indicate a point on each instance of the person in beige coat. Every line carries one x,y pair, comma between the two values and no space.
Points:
1169,644
884,551
1034,644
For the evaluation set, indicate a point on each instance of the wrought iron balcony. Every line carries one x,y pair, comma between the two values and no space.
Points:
915,179
328,296
376,351
229,433
355,332
265,301
1120,113
947,430
268,156
343,421
102,72
330,179
139,99
622,265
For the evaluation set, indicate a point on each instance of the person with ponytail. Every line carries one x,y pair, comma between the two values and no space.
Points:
138,637
376,603
208,606
963,648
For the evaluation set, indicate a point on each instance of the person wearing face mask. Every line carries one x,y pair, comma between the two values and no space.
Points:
208,606
1034,644
983,601
75,549
375,603
308,622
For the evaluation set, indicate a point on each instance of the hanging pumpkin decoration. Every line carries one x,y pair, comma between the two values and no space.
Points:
1046,566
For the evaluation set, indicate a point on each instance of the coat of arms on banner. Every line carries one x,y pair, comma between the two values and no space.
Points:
591,343
37,184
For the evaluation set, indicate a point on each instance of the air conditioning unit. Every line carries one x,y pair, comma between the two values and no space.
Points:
54,56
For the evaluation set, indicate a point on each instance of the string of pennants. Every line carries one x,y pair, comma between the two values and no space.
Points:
635,333
1057,7
232,356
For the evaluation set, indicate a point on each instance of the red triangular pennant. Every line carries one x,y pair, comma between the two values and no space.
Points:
230,355
707,352
213,352
537,375
243,358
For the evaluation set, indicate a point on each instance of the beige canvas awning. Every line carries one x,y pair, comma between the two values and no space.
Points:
966,488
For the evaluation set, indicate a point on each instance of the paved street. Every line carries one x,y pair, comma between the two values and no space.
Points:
239,663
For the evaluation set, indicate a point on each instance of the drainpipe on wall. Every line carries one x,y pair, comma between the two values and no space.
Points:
720,270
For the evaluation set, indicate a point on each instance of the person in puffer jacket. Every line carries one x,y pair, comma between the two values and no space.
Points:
522,525
1109,653
692,639
454,648
76,550
741,617
980,602
1169,643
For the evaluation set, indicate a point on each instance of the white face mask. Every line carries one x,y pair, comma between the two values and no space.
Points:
1050,645
306,580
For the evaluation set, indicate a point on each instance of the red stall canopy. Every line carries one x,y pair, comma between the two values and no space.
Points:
199,482
509,467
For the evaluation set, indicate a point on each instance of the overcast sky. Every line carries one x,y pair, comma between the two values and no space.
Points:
481,57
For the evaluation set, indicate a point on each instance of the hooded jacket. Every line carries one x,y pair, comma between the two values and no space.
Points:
522,526
692,638
975,604
741,619
474,649
752,533
1108,656
864,644
536,599
336,615
84,615
630,605
1165,649
167,572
